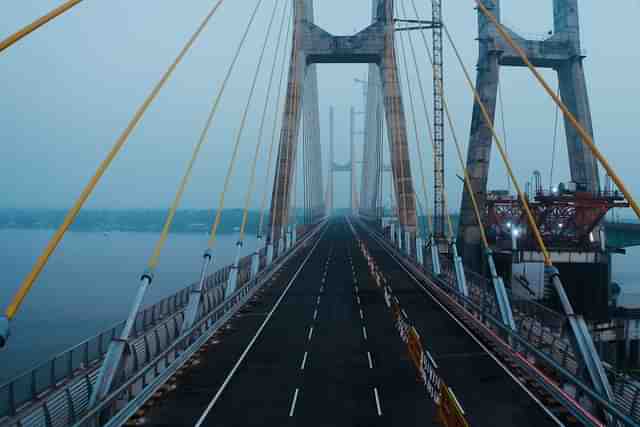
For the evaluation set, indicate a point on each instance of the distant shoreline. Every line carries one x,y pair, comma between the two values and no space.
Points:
192,221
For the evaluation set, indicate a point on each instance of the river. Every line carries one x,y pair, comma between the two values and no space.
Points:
88,284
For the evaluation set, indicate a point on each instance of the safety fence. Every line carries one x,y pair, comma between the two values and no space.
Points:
536,362
57,392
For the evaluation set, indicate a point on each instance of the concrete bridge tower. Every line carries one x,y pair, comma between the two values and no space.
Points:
373,45
561,51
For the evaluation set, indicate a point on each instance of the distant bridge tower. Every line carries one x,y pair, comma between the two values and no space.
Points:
560,51
373,45
348,167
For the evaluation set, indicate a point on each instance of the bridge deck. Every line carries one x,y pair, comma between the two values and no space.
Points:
319,348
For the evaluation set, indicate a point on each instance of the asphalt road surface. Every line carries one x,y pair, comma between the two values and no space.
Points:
318,347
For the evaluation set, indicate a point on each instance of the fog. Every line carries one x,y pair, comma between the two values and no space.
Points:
68,90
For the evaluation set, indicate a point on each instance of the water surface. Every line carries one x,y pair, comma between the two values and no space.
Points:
88,284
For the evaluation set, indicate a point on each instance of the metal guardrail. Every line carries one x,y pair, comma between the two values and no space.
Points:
57,392
47,376
520,348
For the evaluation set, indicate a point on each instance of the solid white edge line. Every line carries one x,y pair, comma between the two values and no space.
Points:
370,361
377,397
455,398
304,361
293,402
464,328
255,337
435,365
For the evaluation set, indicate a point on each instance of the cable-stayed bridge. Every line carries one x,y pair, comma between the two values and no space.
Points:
384,316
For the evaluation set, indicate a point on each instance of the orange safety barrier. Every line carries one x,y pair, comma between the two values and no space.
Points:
450,413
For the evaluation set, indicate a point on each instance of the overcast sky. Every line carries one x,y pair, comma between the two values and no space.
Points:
68,90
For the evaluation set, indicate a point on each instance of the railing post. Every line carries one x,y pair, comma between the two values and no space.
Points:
269,253
281,247
581,338
111,364
420,250
461,279
255,264
504,305
435,257
195,294
232,280
392,232
407,243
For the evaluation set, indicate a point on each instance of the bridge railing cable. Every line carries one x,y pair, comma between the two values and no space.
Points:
71,215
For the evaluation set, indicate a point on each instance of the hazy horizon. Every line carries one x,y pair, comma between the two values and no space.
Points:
70,88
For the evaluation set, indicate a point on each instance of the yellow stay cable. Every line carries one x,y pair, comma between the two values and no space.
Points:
252,179
503,154
43,20
273,132
28,282
236,148
586,138
415,129
155,257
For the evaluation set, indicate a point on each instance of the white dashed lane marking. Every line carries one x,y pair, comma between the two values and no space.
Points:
304,361
377,397
293,403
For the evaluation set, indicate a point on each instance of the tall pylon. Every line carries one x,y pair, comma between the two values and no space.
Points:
560,51
373,45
